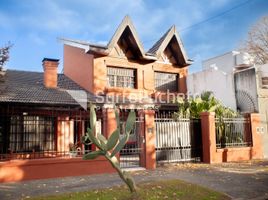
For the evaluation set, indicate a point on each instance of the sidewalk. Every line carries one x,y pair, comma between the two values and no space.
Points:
238,180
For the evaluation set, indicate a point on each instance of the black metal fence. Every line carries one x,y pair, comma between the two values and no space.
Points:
178,140
30,133
233,132
131,154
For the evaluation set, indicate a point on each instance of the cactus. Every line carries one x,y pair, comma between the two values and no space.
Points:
111,146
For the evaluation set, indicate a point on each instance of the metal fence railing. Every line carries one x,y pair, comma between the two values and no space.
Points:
131,154
178,140
233,132
28,133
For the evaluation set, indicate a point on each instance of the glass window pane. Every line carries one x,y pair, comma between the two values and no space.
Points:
120,77
166,81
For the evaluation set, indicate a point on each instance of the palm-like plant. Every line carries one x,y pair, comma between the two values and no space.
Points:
193,107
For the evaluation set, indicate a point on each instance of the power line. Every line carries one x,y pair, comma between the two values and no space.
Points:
209,19
216,16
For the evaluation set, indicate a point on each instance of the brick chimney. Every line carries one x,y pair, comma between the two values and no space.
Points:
50,67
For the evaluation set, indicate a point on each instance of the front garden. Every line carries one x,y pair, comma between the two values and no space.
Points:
158,190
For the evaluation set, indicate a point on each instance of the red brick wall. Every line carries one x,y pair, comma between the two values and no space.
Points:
78,66
20,170
213,155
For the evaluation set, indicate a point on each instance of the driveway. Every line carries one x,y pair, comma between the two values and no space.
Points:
247,180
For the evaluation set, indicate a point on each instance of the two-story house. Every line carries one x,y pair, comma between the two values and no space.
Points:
42,113
123,68
121,73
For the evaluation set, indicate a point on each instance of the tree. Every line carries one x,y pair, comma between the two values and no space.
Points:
193,107
109,147
257,41
4,55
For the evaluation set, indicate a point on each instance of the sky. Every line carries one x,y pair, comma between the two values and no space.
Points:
207,27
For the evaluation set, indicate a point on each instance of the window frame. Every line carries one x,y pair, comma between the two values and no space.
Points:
158,85
125,77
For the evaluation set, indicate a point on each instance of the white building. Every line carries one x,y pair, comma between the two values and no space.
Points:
238,83
216,81
229,62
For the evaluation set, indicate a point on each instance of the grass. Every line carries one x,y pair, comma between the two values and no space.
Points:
160,190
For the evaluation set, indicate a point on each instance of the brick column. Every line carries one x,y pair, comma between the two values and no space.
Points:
110,122
150,155
65,133
257,149
208,136
141,118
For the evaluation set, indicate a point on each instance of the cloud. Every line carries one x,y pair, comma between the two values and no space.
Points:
50,16
99,19
40,22
38,39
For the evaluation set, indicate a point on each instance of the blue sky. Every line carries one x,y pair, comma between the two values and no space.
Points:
33,26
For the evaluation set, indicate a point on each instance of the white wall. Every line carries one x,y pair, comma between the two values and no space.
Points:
229,62
225,62
220,83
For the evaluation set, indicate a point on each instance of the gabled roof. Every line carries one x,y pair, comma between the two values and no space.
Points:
127,28
28,87
165,40
126,24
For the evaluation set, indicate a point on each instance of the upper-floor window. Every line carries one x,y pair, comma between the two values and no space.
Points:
121,77
166,81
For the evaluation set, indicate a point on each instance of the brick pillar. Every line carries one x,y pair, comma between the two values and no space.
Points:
150,154
208,136
142,138
65,133
110,124
257,149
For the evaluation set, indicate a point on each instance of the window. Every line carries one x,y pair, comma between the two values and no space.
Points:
121,77
166,81
31,133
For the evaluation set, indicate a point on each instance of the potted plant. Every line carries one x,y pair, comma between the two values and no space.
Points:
73,150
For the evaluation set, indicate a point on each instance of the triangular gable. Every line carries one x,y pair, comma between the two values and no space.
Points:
172,43
126,29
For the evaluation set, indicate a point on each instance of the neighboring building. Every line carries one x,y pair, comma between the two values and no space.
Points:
229,62
237,83
39,114
215,80
252,96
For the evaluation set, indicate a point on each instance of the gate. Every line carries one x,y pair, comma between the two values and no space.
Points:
132,154
178,140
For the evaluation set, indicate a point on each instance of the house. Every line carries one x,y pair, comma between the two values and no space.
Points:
39,114
238,83
122,67
43,113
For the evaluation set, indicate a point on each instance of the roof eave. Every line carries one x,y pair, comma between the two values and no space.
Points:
99,49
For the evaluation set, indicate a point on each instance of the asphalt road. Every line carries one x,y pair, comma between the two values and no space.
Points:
247,180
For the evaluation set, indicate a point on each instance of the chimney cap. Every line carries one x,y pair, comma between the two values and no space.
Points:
50,59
